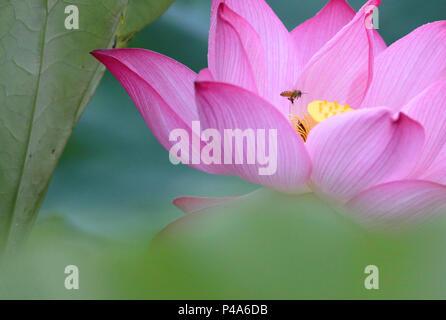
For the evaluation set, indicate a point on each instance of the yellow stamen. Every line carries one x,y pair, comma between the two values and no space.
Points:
318,111
302,125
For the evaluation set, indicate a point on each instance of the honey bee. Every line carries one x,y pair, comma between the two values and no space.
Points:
292,95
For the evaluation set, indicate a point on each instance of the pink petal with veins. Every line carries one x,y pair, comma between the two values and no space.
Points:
354,151
398,204
408,67
342,69
224,106
428,108
239,54
161,88
282,65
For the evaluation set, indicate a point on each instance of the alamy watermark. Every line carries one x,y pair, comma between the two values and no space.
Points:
234,146
372,20
72,280
371,282
72,19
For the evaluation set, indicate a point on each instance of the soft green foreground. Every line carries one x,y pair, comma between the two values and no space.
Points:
272,247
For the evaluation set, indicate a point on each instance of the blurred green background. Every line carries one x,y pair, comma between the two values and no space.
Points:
112,193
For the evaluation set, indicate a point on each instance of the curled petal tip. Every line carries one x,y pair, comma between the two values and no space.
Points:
221,7
96,52
99,53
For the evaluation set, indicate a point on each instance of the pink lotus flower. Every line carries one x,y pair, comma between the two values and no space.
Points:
384,158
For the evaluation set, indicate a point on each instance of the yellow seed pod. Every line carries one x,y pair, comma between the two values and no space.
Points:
322,110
